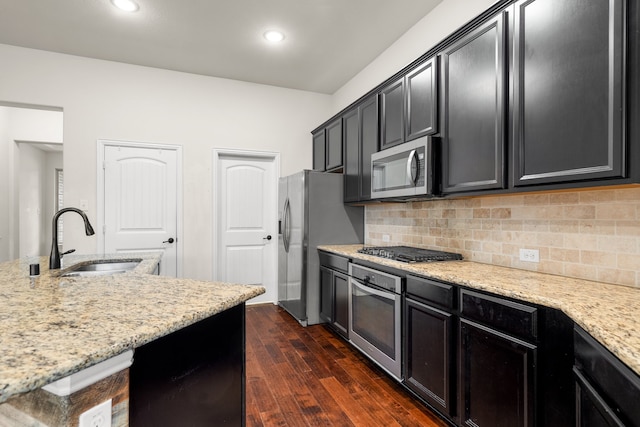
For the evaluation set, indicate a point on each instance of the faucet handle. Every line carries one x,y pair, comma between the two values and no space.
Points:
70,251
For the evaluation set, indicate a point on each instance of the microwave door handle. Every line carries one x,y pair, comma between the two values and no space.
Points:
413,171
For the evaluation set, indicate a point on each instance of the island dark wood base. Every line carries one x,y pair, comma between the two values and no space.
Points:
194,376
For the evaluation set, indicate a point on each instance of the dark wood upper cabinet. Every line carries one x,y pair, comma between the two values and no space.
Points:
360,133
569,90
422,100
392,114
351,139
327,147
409,106
368,142
334,145
318,151
473,109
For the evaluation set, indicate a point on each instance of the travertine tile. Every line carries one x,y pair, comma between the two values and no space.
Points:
618,211
606,221
564,198
579,212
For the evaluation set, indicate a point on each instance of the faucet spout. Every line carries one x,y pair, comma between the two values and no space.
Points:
54,257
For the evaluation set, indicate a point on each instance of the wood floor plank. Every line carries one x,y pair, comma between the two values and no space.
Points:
354,411
299,376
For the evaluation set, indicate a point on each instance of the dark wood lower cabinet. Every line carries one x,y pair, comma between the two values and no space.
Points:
497,378
429,355
341,303
607,391
591,408
334,300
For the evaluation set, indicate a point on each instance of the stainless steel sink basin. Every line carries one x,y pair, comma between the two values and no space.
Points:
101,268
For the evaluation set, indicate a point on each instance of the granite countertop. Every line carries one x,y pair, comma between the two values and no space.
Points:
610,313
53,326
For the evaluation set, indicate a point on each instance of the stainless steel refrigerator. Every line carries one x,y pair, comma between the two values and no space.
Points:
311,213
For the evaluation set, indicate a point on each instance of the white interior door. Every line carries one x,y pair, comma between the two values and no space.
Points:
245,208
141,202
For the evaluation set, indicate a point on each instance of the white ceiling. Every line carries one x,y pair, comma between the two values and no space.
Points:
327,41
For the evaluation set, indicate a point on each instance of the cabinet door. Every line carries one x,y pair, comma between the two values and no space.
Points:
568,91
422,101
318,151
429,355
368,143
351,140
591,409
497,377
474,109
341,303
392,114
326,294
334,145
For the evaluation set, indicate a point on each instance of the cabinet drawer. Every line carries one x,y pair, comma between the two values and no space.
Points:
439,293
508,316
334,261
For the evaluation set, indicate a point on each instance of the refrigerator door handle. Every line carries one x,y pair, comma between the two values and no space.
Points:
286,233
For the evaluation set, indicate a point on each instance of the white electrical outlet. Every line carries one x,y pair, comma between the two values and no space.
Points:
530,255
98,416
386,238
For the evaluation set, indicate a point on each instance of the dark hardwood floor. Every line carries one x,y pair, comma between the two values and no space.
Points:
310,377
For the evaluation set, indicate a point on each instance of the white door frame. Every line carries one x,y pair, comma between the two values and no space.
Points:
101,144
220,152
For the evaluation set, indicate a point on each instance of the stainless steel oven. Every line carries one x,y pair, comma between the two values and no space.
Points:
403,171
374,316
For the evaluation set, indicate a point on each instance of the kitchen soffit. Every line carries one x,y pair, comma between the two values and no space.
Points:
327,41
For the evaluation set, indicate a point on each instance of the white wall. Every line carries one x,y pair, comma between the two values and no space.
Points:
108,100
6,158
54,161
24,179
443,20
32,178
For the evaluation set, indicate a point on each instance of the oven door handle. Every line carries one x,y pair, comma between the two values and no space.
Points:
382,294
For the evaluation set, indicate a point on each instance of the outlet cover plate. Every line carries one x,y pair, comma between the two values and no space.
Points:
530,255
98,416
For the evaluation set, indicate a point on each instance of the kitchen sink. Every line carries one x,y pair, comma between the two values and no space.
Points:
101,268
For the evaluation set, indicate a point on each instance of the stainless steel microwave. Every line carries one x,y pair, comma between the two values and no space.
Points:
403,171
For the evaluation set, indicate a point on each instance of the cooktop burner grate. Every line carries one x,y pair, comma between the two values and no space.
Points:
409,254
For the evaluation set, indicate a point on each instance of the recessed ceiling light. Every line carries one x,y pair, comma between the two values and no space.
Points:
126,5
274,36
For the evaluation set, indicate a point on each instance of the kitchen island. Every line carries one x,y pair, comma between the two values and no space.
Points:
52,327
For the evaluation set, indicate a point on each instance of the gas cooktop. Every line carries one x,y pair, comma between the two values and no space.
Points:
409,254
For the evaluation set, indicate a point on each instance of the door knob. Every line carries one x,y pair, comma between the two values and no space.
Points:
171,240
267,238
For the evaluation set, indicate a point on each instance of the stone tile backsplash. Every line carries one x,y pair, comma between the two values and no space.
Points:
589,234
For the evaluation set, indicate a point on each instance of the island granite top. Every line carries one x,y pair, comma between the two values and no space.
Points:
51,327
610,313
